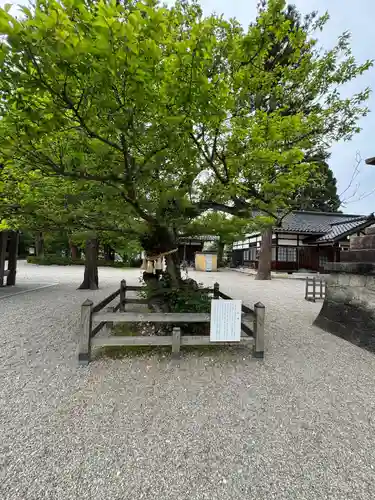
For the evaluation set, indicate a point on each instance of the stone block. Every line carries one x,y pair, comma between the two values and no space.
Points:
343,279
370,283
362,242
369,296
339,294
352,323
350,267
357,280
370,230
357,298
332,279
358,256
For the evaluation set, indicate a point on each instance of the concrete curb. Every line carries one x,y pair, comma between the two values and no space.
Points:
301,277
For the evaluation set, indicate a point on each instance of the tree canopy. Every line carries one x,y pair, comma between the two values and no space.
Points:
160,114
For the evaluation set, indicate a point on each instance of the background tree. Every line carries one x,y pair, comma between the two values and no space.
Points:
320,194
73,211
228,229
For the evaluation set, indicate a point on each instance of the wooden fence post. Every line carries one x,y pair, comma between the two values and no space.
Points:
260,310
84,347
122,295
216,291
176,342
314,289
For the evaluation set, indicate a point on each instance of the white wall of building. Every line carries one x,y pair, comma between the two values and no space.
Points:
284,239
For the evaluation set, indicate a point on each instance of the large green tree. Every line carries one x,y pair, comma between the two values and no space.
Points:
175,112
319,192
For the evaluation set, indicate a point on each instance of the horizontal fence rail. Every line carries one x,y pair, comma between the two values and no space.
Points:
106,301
160,340
94,319
134,317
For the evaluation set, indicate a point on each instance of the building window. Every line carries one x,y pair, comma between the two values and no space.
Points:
253,252
292,254
287,254
273,258
246,255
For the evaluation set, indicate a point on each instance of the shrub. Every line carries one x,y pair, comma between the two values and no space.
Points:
56,260
189,297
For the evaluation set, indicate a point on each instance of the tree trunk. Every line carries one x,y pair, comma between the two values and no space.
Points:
173,268
109,253
265,256
3,249
159,240
90,279
39,244
220,253
73,251
12,258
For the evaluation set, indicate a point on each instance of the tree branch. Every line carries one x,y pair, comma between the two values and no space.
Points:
210,159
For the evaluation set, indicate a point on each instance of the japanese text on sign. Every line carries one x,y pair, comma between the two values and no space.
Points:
225,321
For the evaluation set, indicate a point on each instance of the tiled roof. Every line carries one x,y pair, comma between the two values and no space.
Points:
314,223
346,227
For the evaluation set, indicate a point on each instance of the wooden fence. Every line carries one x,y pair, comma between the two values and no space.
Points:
315,289
94,319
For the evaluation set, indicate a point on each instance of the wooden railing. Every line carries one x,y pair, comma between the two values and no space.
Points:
315,289
94,315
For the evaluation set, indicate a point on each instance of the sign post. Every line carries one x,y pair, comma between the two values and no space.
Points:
225,321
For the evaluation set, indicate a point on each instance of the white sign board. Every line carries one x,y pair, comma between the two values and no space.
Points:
225,320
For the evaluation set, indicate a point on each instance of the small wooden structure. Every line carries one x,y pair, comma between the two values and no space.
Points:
315,289
8,252
93,319
206,261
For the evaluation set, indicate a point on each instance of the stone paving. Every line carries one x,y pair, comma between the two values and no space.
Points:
219,425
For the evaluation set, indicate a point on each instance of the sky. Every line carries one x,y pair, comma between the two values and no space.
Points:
345,15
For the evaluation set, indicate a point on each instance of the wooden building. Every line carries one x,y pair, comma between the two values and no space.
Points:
8,257
305,240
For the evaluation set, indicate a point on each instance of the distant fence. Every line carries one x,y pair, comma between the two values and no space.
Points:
315,289
94,315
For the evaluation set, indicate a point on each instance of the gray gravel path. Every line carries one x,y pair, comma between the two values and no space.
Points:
299,425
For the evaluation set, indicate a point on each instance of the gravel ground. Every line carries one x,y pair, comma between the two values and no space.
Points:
298,425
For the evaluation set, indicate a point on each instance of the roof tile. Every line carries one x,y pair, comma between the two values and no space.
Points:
314,222
338,230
